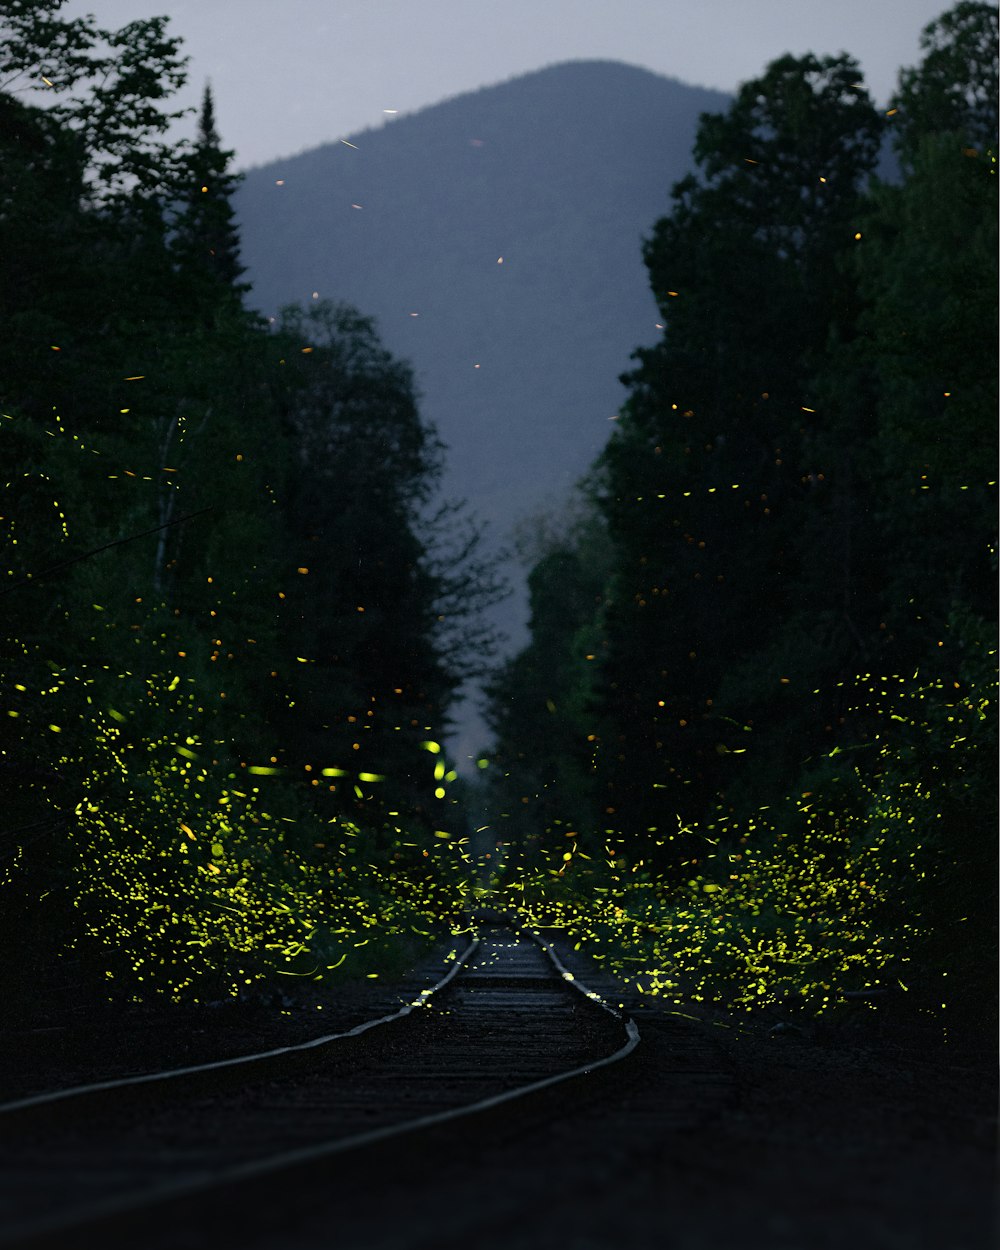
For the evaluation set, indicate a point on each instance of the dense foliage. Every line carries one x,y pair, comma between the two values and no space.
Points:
226,648
756,719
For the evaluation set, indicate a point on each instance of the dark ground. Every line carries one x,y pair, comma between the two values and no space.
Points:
715,1135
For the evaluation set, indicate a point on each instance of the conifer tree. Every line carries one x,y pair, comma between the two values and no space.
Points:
206,239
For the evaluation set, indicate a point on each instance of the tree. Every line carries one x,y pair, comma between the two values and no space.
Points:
540,782
107,87
793,713
205,239
368,609
706,476
927,269
929,276
954,88
219,556
126,425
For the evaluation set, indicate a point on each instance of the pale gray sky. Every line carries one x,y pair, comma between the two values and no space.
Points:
292,74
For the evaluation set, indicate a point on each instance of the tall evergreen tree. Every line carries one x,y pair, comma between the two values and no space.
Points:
206,238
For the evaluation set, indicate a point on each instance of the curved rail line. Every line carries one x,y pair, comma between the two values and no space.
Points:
521,982
235,1061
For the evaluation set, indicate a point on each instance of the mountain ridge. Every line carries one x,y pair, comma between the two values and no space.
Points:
494,89
495,238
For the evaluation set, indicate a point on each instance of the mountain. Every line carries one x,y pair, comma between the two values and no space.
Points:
495,237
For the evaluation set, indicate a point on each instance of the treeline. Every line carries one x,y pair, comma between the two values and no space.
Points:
759,696
235,612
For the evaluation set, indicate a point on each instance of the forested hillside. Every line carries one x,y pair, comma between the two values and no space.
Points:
235,612
496,239
756,719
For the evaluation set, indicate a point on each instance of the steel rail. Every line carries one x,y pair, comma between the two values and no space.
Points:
167,1074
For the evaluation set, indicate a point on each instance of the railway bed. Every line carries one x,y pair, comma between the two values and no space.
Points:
508,1019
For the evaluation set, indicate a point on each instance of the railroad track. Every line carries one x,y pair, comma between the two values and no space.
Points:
108,1163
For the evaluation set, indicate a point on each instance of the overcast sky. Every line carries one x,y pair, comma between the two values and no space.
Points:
292,74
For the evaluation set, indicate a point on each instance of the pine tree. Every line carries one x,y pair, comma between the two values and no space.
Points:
206,239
